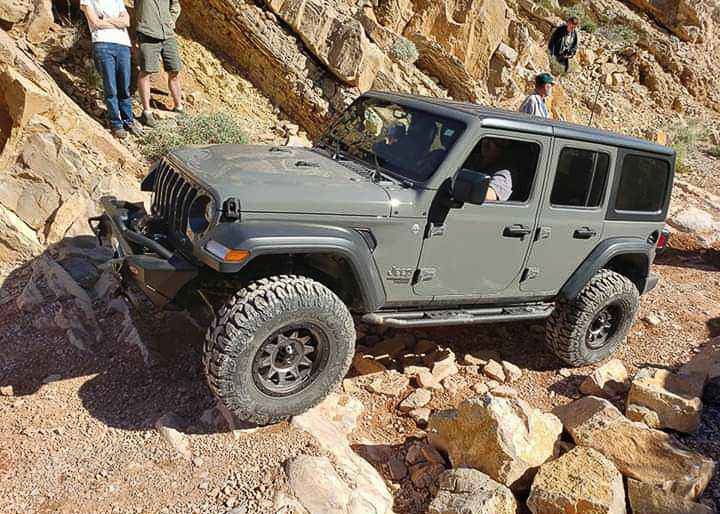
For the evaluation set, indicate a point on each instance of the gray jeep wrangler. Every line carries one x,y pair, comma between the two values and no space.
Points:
409,212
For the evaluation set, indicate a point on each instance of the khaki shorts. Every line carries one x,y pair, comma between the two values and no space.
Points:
152,50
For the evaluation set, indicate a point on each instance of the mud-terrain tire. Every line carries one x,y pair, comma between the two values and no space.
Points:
578,333
263,331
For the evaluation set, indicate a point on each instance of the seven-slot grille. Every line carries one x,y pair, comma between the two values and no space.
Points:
173,197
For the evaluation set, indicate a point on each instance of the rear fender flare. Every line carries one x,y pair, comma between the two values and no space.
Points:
601,256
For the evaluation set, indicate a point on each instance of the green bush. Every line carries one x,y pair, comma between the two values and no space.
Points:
684,140
202,129
587,24
404,50
619,36
715,151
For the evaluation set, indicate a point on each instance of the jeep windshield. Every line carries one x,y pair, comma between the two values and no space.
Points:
409,143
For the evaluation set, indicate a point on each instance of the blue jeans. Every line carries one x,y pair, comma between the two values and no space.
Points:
113,63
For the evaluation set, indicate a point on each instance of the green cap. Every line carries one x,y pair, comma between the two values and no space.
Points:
544,78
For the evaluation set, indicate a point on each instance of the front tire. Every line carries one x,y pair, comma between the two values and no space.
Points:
589,328
277,348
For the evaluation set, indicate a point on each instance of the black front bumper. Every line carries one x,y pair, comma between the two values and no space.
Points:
158,271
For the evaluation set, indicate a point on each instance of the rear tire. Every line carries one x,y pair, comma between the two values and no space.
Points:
589,328
277,348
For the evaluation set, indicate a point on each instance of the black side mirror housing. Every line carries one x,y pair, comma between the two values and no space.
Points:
470,186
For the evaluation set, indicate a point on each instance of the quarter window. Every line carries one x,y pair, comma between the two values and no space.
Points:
643,183
580,178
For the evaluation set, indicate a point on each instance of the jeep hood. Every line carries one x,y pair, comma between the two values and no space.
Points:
283,180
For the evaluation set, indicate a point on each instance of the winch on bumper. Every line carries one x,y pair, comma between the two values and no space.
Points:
159,272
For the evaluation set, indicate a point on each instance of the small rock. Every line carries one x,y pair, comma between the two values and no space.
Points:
655,499
424,474
652,320
7,391
556,489
426,380
198,461
420,416
494,370
168,426
505,392
480,388
608,381
397,468
471,360
390,383
365,365
471,491
445,367
675,397
512,372
565,373
416,399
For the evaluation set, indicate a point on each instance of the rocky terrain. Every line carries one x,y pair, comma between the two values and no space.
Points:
103,406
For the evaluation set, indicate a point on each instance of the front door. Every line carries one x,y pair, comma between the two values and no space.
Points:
572,214
480,250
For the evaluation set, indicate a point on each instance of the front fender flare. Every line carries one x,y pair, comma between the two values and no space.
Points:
270,238
601,256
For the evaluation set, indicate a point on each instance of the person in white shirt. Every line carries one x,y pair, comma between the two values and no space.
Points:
108,21
534,104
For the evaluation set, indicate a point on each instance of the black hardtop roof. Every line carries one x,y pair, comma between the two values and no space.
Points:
510,120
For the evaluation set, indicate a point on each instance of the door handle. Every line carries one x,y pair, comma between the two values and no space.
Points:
516,231
584,233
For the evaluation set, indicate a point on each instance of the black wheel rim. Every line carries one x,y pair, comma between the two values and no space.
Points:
290,359
603,327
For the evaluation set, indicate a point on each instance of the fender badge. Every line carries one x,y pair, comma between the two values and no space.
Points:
415,229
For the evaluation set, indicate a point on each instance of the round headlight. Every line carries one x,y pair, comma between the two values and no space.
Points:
201,214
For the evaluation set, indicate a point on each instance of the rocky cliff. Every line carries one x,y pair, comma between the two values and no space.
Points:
651,65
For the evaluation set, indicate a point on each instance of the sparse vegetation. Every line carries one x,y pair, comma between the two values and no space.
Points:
587,24
715,151
404,50
685,140
202,129
619,36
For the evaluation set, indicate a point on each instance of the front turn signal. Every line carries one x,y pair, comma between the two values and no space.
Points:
226,254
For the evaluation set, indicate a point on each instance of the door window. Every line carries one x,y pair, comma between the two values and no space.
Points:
642,184
512,164
580,178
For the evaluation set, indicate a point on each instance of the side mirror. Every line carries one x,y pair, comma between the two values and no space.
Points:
470,186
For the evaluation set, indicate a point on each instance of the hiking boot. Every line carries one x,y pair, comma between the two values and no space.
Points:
119,133
148,119
135,129
179,110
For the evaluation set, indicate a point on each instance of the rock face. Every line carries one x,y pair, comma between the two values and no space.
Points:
469,490
349,484
654,499
581,481
502,437
675,398
680,16
609,380
54,158
639,452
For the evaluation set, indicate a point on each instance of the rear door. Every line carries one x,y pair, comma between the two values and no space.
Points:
572,213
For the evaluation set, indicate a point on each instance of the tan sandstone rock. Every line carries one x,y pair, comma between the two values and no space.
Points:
608,381
674,397
417,399
503,437
639,452
654,499
581,481
468,490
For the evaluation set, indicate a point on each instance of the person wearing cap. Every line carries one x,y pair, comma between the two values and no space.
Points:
534,104
563,43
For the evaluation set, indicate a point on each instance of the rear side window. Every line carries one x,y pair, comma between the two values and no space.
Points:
580,178
643,183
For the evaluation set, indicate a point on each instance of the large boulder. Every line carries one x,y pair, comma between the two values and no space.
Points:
655,499
675,398
500,436
346,484
639,452
468,490
680,16
582,481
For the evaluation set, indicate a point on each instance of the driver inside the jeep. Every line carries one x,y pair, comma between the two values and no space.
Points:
493,162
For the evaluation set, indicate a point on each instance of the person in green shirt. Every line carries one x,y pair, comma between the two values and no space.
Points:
156,40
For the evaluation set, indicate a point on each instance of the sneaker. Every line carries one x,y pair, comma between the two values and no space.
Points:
135,129
148,119
119,133
179,110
